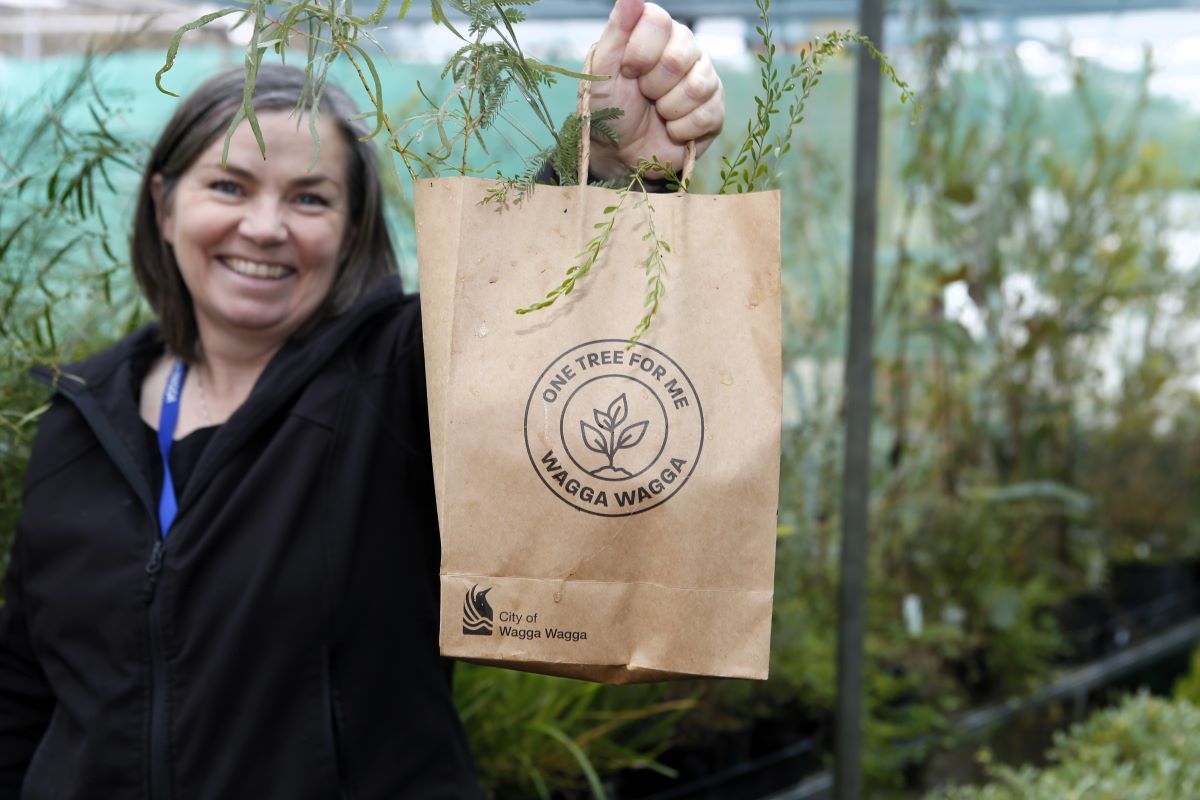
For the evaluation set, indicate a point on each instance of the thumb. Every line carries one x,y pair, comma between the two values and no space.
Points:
611,46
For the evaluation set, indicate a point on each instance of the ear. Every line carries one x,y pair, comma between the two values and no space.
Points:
162,207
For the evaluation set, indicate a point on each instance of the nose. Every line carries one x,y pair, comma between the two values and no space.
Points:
263,222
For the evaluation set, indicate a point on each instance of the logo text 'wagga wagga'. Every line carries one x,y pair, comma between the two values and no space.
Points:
627,499
614,432
526,634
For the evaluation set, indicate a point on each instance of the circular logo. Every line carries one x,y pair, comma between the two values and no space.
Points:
614,430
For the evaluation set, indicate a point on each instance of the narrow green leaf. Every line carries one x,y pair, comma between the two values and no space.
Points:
378,97
440,18
12,235
177,39
50,327
585,764
569,73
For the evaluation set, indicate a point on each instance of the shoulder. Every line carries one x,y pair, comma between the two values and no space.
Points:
103,381
93,372
387,324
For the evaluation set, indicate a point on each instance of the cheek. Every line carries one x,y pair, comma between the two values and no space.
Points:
197,231
322,245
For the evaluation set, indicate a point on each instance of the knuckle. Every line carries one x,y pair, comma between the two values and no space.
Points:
637,58
667,109
674,64
698,91
681,130
656,16
716,121
702,81
679,57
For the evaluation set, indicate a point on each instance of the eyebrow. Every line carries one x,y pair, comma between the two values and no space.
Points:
304,181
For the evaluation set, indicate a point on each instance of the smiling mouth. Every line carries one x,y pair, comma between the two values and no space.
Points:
254,269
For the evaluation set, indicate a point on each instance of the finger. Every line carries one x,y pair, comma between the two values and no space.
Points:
678,56
696,89
701,125
647,42
611,45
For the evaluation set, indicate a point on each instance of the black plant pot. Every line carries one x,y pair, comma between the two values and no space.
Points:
1139,600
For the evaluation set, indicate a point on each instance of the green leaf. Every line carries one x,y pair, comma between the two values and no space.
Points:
569,73
378,97
53,341
585,764
440,18
1044,491
1004,607
377,17
12,235
177,39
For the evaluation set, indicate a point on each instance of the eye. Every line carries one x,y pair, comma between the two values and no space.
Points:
224,186
311,199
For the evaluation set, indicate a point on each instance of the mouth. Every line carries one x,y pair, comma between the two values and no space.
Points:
257,269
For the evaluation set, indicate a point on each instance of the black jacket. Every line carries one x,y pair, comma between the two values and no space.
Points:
283,642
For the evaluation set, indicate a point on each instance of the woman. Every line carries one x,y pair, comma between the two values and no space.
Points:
224,582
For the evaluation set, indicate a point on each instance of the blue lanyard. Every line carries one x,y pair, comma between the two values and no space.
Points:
168,417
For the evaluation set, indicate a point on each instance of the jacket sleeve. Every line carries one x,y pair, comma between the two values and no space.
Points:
26,701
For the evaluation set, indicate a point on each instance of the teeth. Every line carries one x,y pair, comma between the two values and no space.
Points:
255,269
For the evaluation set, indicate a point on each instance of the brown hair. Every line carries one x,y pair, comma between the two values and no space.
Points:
367,254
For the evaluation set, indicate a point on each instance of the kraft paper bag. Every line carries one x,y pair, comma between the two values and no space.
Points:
607,512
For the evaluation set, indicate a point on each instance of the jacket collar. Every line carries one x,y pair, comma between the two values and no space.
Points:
105,388
288,372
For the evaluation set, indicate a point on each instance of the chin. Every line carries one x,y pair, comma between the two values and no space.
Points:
260,322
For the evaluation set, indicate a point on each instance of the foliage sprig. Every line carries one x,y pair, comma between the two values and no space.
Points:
753,165
563,158
485,70
654,263
586,259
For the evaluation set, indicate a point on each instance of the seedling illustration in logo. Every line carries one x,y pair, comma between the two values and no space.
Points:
605,439
477,613
614,430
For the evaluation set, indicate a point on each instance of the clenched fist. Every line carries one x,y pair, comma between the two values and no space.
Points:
668,88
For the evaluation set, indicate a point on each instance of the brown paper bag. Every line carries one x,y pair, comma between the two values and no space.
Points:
607,512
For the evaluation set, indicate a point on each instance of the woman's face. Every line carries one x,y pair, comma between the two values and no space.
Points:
258,242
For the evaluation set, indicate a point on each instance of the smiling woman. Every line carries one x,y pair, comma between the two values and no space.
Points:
224,581
235,252
258,243
344,180
224,573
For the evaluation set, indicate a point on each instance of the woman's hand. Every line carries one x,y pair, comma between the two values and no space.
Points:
668,88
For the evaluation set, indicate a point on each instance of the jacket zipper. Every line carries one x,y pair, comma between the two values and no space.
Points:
158,765
334,725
